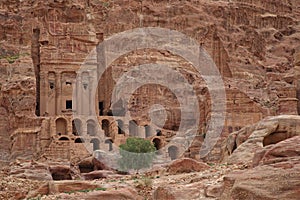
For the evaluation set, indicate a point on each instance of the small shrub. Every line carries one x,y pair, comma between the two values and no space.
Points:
136,153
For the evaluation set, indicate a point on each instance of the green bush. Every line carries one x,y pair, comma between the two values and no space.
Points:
136,153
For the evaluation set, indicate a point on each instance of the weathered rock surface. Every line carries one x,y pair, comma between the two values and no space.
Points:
186,165
278,181
97,174
119,194
31,170
258,137
284,151
90,164
163,193
83,190
60,172
276,174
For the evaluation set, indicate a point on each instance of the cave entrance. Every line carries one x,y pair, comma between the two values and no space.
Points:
157,143
60,173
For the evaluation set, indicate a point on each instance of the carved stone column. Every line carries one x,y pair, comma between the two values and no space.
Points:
58,91
44,90
78,102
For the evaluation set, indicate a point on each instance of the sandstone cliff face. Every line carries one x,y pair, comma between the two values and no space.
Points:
271,151
255,45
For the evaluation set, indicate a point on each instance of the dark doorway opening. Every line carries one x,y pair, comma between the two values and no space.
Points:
158,133
96,143
157,143
79,140
109,142
101,108
105,127
120,126
69,104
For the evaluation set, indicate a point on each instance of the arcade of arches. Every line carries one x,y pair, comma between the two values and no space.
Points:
62,134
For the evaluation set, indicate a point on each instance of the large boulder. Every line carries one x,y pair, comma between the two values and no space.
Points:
65,186
276,176
90,164
178,191
287,150
162,193
118,194
186,165
241,146
77,190
264,183
60,172
98,174
30,170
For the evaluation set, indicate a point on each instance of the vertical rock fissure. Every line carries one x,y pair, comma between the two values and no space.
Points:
298,95
35,54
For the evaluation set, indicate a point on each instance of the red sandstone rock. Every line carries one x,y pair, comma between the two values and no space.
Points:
264,182
90,164
119,194
162,193
186,165
97,174
276,174
214,190
31,170
60,172
56,187
283,151
267,132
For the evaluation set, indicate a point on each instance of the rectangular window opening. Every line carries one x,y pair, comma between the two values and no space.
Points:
101,107
69,104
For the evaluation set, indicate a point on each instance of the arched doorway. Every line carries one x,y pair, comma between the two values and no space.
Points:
110,144
61,126
79,140
120,126
173,152
91,127
76,127
133,128
158,132
63,139
96,144
157,143
105,127
147,131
